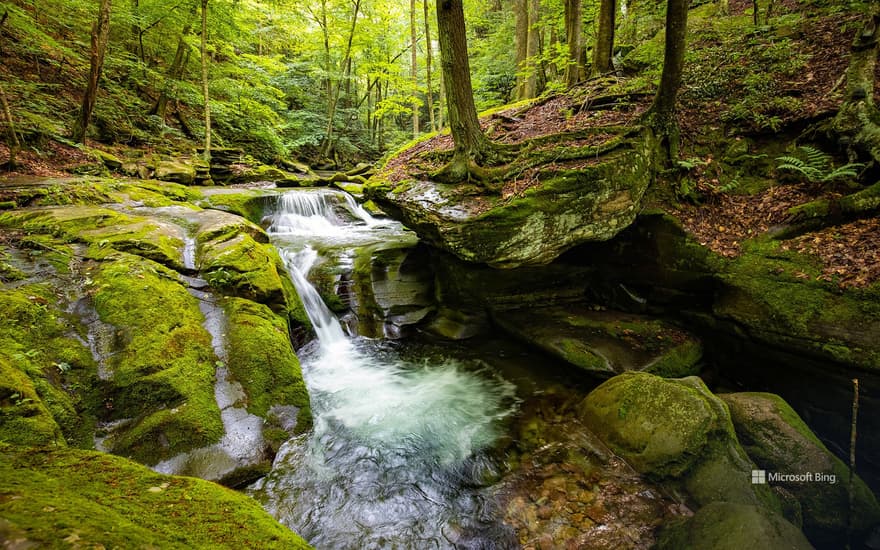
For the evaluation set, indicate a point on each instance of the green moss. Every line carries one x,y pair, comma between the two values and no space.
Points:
97,500
243,267
247,203
163,373
682,360
261,358
46,372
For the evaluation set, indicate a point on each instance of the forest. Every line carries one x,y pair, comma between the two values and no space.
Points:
533,274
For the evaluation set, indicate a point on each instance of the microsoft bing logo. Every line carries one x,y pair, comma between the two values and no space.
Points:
759,477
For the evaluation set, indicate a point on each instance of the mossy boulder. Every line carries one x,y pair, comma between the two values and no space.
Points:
730,526
261,359
247,203
236,264
81,498
776,438
162,373
605,343
569,206
675,431
176,171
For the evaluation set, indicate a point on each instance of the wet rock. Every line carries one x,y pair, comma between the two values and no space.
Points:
237,264
606,343
568,207
729,526
780,442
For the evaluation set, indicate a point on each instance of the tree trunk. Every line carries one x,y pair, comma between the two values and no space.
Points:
429,60
333,100
204,51
441,118
471,145
521,39
175,72
100,36
662,113
534,48
414,68
855,125
11,136
573,67
605,38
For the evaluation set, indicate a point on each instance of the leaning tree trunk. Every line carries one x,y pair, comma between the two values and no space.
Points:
661,116
573,67
100,36
605,38
204,50
175,72
857,124
471,145
11,136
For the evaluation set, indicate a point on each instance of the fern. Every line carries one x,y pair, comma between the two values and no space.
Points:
815,166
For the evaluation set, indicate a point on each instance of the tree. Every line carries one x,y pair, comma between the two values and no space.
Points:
533,49
661,115
414,67
472,147
204,51
429,60
521,44
100,37
605,38
573,67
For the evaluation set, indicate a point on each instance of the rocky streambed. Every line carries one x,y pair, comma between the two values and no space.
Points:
156,321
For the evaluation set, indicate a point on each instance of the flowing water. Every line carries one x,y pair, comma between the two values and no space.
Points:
398,454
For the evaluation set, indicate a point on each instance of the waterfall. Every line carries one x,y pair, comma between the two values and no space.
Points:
397,454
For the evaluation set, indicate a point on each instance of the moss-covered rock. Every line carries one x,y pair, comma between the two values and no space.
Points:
95,500
780,442
729,526
105,230
261,359
247,203
593,202
176,171
45,371
236,264
675,430
163,372
606,343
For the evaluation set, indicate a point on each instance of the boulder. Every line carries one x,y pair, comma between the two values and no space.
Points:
677,431
176,171
605,343
729,526
569,206
778,441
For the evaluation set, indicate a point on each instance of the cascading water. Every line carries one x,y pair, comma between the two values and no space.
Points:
396,458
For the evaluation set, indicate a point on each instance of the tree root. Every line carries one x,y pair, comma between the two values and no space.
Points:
824,213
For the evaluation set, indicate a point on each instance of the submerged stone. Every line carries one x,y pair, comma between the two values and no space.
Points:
729,526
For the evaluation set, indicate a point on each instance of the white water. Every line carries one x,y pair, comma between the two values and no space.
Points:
396,456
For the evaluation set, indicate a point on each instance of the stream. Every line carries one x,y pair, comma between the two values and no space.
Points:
399,455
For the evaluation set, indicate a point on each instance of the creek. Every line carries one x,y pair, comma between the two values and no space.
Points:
398,454
426,443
